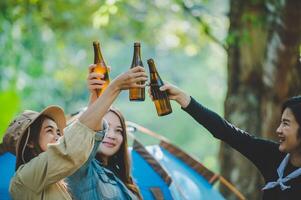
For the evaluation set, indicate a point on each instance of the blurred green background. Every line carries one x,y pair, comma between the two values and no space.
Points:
46,47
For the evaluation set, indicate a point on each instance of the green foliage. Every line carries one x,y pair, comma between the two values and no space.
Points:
10,102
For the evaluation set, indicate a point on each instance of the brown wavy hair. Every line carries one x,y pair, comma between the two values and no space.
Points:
120,162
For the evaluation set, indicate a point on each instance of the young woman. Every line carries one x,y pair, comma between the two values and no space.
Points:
279,163
106,174
44,158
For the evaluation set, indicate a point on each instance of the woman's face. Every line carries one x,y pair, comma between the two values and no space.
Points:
288,133
49,133
113,138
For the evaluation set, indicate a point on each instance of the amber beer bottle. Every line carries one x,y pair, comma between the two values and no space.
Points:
101,67
160,98
137,94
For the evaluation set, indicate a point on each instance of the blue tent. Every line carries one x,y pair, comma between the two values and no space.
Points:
7,170
166,172
173,180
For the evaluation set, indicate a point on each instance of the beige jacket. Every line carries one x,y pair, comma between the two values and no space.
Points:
41,177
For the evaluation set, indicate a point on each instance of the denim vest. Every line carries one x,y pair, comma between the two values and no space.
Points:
94,182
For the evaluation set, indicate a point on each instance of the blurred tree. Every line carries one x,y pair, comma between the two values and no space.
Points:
263,70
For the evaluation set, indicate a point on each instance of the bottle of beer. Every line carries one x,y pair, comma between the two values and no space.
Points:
101,67
160,98
137,94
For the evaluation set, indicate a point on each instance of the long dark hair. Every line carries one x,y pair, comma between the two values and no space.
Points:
34,136
294,104
119,163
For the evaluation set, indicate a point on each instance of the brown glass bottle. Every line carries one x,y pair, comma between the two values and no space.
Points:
160,98
137,94
101,67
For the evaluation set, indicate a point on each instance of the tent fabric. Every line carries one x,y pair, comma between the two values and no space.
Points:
210,176
167,160
7,170
186,182
147,179
139,148
189,178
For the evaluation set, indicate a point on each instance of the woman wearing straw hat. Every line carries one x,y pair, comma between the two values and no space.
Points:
279,163
44,158
106,174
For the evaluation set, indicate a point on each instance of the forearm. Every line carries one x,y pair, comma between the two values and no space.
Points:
183,99
255,149
98,138
95,112
92,99
216,125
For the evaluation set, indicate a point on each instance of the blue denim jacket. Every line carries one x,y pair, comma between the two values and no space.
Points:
94,182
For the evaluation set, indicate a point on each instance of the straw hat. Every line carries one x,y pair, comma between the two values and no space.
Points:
17,128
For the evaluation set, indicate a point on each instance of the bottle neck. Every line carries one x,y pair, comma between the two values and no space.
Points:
154,75
152,69
98,59
155,79
137,57
137,51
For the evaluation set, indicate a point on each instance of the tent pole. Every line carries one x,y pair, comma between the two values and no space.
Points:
231,188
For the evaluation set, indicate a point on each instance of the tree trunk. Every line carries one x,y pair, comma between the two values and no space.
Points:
281,67
262,71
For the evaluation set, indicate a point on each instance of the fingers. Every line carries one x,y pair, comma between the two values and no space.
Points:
94,75
91,68
134,76
96,82
139,74
137,69
94,87
170,96
138,79
165,87
137,85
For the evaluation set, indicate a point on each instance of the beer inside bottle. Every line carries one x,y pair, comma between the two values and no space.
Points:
160,98
101,67
137,94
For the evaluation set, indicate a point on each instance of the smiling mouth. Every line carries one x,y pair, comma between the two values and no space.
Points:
108,144
281,140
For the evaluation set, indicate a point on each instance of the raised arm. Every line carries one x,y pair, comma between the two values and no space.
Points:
73,149
255,149
95,112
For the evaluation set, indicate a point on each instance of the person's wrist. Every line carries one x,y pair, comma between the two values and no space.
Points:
114,87
92,98
184,100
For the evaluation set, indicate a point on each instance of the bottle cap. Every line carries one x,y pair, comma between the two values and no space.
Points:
137,44
95,43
